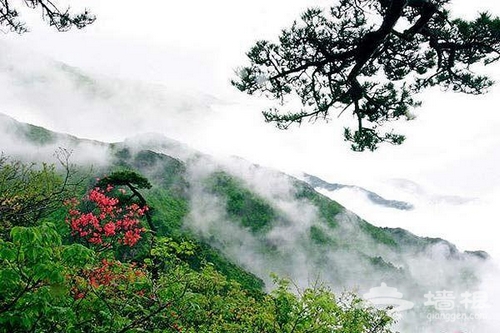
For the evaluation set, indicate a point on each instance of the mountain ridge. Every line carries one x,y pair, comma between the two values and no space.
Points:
263,221
317,182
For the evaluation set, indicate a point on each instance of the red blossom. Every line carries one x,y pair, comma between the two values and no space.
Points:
108,276
132,237
109,229
108,222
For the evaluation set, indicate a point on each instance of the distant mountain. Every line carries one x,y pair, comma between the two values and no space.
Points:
418,192
319,183
58,95
252,221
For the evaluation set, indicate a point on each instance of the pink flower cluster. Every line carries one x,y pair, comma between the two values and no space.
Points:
108,221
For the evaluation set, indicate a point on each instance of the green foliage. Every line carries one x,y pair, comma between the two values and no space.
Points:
319,237
51,283
319,310
125,177
168,211
381,264
28,193
38,135
206,254
369,58
252,211
380,235
79,294
33,270
164,171
327,208
168,208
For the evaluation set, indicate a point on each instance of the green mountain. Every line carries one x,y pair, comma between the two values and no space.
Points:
250,221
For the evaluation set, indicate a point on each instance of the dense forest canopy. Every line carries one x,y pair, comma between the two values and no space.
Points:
77,256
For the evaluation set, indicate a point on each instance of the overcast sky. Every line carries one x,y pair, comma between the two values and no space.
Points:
453,147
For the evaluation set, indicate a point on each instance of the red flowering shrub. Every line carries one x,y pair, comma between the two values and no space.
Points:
112,277
107,221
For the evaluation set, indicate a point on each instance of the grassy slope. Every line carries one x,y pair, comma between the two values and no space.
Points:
255,213
170,201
